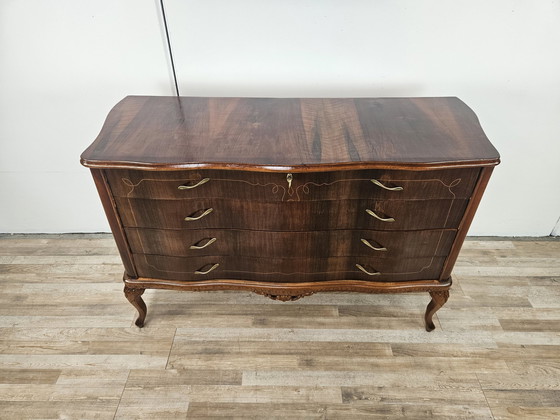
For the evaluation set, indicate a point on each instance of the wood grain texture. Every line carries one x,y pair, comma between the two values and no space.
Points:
291,216
283,270
114,220
308,186
235,355
466,221
246,243
284,134
289,165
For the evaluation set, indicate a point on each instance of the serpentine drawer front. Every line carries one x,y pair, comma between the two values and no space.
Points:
289,269
291,216
289,197
270,244
263,186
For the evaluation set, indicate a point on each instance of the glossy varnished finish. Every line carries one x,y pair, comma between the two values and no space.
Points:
467,219
268,244
114,220
288,270
296,134
308,186
291,216
290,197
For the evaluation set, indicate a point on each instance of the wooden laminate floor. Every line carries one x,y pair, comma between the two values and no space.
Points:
69,349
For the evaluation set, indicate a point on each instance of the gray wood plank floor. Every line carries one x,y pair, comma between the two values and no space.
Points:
69,349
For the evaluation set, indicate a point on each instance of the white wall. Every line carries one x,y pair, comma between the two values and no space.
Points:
500,57
63,65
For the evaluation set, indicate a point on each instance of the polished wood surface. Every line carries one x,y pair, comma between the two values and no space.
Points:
309,186
290,270
69,348
291,216
298,135
115,222
248,243
467,220
277,170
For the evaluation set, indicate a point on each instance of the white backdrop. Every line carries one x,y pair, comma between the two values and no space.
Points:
64,64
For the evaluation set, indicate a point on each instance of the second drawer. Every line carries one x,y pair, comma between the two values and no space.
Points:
291,216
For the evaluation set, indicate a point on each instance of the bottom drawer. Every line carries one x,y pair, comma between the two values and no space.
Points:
287,270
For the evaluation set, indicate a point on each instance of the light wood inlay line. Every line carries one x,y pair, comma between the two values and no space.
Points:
290,191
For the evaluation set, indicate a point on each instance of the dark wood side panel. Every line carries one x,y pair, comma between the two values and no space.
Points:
114,221
466,222
287,269
293,215
267,186
319,244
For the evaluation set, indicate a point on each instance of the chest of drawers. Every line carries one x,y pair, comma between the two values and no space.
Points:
289,197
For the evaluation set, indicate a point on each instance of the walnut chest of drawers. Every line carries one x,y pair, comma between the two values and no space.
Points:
289,197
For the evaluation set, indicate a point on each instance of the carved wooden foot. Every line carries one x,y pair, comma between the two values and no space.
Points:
438,300
134,296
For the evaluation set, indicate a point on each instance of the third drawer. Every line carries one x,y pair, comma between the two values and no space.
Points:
318,244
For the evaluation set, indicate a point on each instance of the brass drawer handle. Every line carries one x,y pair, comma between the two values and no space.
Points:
368,243
379,184
375,273
372,213
205,213
207,271
209,241
190,187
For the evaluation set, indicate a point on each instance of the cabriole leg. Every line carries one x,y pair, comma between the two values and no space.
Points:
134,296
438,300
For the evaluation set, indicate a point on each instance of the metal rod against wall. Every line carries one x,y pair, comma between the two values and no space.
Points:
169,47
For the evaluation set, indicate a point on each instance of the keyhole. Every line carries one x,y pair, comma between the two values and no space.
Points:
289,178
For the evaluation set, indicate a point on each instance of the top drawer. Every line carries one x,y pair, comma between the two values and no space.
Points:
272,186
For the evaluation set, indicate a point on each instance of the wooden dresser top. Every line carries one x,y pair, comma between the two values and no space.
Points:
265,134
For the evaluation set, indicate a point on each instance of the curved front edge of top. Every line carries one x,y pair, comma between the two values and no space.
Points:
290,134
415,166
